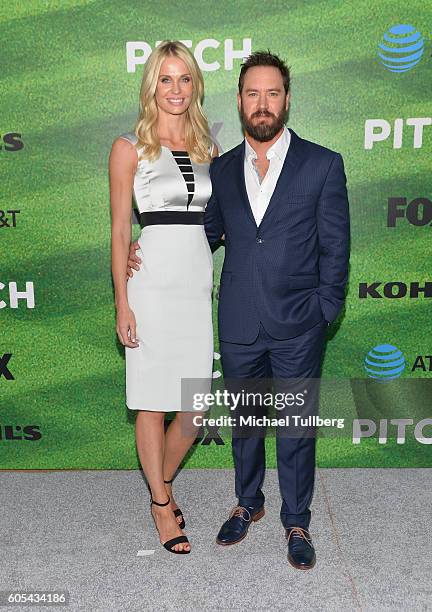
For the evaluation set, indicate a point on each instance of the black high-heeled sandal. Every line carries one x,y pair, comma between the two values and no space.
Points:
177,511
178,540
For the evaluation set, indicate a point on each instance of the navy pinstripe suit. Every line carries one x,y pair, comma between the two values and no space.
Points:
281,284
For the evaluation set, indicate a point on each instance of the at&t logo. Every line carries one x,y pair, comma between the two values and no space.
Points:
384,362
8,218
402,48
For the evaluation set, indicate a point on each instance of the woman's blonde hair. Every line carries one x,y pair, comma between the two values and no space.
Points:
197,133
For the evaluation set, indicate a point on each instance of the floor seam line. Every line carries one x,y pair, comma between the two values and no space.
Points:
344,565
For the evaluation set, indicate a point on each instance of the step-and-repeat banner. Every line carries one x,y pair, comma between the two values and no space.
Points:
70,78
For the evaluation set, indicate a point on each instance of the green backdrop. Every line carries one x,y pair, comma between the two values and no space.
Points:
66,94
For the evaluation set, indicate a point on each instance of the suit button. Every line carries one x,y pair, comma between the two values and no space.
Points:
259,240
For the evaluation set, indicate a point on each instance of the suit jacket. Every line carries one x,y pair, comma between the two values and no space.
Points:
289,272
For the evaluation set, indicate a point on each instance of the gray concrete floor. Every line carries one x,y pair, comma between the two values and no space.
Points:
82,531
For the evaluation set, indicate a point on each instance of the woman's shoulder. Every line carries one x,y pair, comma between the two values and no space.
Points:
130,137
125,144
123,150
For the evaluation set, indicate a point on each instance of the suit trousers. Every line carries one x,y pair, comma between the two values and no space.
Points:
281,360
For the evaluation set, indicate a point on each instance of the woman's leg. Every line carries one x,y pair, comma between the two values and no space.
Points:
150,441
179,437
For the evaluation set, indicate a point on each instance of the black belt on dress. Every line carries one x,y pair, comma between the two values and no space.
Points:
172,217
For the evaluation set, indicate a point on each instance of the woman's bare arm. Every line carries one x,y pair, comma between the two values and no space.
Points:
122,166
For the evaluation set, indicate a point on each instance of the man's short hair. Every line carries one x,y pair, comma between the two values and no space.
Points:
265,58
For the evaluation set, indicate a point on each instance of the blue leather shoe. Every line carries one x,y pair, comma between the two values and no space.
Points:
301,553
236,527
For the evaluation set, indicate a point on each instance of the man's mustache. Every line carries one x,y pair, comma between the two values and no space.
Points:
263,113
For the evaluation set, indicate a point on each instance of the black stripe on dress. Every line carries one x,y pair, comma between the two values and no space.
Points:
185,165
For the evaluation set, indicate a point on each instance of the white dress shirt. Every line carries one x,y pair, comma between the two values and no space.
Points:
259,193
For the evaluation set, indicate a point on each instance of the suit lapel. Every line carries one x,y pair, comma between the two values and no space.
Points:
238,169
287,175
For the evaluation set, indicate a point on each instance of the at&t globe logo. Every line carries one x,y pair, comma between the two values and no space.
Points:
402,48
384,362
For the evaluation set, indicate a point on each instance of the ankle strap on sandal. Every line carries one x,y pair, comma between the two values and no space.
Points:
168,481
158,504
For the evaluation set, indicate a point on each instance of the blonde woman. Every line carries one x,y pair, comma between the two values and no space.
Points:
164,315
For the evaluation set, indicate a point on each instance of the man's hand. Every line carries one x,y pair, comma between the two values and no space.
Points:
133,259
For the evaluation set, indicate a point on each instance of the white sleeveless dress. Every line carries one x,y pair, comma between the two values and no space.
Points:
170,295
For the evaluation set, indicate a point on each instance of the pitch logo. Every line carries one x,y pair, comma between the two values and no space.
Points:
379,130
207,52
11,141
15,295
366,428
402,48
384,362
417,212
395,290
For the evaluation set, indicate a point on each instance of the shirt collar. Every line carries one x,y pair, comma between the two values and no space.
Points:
278,149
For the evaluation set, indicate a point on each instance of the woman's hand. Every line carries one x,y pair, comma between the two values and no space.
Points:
133,259
126,327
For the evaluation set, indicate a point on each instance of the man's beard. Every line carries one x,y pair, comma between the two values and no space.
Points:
263,132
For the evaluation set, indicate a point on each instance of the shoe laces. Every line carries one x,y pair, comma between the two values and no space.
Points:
239,511
299,532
